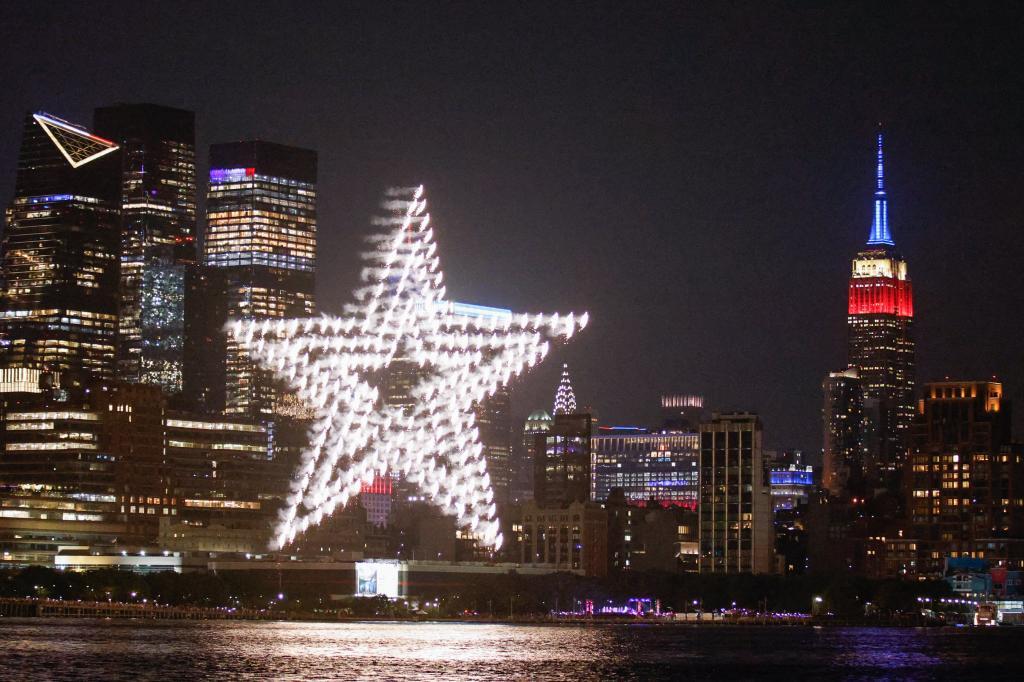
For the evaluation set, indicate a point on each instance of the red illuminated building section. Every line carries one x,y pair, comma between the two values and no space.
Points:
881,296
381,486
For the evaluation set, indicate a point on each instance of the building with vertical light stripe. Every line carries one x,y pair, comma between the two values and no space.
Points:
735,509
59,258
158,219
881,346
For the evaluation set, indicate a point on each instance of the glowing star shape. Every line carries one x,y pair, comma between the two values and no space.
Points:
333,364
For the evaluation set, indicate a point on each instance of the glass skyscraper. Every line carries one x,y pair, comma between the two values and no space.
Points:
261,236
59,258
158,218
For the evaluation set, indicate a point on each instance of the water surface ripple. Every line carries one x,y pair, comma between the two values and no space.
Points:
40,649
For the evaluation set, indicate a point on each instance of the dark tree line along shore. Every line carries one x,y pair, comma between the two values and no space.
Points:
845,596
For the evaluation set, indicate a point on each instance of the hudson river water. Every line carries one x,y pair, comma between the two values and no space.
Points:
54,649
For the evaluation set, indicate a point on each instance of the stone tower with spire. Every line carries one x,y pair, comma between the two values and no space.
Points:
880,315
565,398
561,452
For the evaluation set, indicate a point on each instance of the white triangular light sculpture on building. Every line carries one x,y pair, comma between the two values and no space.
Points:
78,146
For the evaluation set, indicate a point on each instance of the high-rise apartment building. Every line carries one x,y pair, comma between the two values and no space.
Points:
735,508
59,258
881,346
158,219
261,232
843,427
965,481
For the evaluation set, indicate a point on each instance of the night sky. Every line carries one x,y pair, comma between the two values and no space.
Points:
697,176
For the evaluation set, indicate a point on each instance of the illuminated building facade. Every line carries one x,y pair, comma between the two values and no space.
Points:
734,511
59,258
791,485
116,469
223,480
261,231
881,346
376,500
844,432
68,470
965,479
26,381
647,466
158,219
58,486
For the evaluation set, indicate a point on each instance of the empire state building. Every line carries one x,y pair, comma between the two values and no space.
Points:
881,346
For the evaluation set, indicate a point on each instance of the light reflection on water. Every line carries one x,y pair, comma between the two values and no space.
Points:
103,650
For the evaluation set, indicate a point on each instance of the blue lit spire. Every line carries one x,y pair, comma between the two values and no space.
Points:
880,225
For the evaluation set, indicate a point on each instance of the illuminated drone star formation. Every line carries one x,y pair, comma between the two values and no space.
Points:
333,364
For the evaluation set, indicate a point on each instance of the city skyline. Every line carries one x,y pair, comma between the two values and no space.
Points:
527,340
762,221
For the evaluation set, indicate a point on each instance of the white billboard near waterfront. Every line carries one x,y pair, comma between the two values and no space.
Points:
375,578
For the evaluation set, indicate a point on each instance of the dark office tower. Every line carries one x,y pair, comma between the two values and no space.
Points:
842,425
60,253
205,340
261,231
734,506
562,465
537,422
494,421
562,461
881,313
158,220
